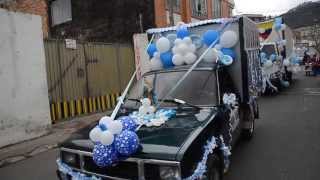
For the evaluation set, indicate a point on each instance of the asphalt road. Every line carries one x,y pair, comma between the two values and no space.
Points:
286,145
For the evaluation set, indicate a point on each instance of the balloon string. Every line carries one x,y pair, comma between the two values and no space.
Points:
224,25
124,94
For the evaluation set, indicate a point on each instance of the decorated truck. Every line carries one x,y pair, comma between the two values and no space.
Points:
180,118
277,54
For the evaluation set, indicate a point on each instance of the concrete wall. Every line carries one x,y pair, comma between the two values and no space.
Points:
37,7
24,106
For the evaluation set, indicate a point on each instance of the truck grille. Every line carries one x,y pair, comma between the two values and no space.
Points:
126,170
131,168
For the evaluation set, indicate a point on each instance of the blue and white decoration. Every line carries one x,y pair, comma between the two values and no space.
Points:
167,52
156,119
127,143
65,169
211,144
104,155
229,99
113,139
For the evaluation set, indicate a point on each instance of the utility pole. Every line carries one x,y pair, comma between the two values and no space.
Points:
171,18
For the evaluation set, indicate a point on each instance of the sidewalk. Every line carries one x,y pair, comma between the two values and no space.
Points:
58,133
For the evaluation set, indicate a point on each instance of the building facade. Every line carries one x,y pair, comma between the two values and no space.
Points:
36,7
187,11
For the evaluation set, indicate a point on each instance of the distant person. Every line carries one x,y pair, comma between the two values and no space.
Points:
306,58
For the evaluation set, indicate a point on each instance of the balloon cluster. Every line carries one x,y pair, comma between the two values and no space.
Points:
113,139
222,52
278,26
267,62
181,48
183,51
146,108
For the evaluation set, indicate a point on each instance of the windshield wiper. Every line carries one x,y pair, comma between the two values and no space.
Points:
130,99
180,102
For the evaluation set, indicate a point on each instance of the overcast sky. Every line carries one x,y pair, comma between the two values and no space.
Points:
266,7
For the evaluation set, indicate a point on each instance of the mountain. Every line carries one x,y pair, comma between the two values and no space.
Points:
305,14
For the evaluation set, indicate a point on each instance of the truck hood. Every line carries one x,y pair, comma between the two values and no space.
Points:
162,142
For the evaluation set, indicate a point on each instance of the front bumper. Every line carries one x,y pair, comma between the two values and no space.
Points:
131,168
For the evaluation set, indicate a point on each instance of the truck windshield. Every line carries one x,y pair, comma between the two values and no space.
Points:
199,88
269,49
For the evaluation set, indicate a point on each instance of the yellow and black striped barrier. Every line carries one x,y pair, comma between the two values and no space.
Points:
85,105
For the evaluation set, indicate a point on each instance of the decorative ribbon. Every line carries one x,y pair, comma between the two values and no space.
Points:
156,119
208,149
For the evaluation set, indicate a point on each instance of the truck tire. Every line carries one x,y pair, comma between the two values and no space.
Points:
248,132
214,167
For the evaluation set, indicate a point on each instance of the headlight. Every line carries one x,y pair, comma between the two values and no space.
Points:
70,158
169,172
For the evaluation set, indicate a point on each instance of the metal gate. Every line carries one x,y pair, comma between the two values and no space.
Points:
86,79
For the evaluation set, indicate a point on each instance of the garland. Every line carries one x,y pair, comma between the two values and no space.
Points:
208,149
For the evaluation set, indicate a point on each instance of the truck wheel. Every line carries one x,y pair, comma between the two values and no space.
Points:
248,132
214,167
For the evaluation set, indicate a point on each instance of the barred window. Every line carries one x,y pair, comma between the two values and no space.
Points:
199,8
216,8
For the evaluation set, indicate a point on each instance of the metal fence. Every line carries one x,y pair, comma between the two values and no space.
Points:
86,79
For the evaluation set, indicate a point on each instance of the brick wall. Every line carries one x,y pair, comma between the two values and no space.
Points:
185,11
37,7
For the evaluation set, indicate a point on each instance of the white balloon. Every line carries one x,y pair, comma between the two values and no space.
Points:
286,62
182,48
174,50
106,137
115,127
228,39
145,102
94,134
177,41
211,56
218,47
105,120
187,40
268,63
190,58
177,60
192,48
155,64
156,55
163,44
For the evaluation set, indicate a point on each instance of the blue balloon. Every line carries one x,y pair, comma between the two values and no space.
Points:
278,20
273,57
263,55
182,32
152,49
263,60
210,36
128,123
166,59
127,143
285,84
104,155
278,27
228,51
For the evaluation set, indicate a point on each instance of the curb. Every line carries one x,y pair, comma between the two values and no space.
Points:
37,150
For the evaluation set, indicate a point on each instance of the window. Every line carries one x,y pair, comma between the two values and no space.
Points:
216,8
199,8
61,12
176,5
